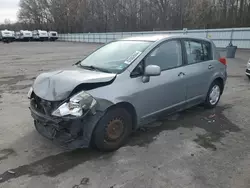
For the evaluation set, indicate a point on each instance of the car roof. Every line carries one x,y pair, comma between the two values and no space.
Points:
154,38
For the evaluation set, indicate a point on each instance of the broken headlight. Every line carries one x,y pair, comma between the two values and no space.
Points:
76,106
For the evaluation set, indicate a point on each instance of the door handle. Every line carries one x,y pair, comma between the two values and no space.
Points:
210,67
181,74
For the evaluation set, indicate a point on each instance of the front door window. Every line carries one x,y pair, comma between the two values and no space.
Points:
167,55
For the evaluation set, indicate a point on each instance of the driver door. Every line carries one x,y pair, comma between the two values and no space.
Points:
166,92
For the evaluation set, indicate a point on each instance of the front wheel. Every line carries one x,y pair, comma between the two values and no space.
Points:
213,95
112,130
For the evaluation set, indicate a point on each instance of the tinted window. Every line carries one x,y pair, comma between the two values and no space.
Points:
198,51
168,55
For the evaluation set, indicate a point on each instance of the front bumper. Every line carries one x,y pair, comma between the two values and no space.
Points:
247,72
70,133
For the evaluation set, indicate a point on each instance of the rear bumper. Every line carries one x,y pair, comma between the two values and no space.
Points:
70,133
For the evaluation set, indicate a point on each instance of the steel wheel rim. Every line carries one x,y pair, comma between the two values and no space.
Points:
115,130
214,95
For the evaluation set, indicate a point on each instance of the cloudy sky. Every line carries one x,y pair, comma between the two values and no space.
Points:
8,10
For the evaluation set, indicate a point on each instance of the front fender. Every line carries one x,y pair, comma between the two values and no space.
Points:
103,104
91,121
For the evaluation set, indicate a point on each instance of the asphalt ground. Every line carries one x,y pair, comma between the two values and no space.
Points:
196,148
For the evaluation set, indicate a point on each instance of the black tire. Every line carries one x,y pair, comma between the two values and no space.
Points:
207,103
100,136
248,77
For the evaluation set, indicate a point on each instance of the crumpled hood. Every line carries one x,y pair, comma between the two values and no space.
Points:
57,85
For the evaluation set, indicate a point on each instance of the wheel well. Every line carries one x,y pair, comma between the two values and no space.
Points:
221,82
130,109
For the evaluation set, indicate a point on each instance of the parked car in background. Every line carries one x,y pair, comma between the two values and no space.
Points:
123,85
40,35
53,35
248,69
7,36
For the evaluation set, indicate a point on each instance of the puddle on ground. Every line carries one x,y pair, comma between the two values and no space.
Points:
212,121
53,165
19,87
208,139
5,153
11,80
18,58
15,83
236,76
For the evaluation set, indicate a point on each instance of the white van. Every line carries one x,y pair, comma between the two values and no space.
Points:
25,35
7,36
40,35
53,35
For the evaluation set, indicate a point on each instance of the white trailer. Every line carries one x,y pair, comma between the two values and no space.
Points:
53,35
7,36
25,35
40,35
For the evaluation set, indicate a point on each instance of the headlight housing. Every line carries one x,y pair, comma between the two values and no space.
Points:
76,106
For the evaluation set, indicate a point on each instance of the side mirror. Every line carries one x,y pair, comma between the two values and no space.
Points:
151,70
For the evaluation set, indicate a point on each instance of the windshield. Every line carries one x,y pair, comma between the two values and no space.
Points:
115,56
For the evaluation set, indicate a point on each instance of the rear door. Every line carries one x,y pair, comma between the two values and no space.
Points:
199,69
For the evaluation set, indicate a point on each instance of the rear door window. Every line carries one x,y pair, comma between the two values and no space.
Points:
207,51
198,51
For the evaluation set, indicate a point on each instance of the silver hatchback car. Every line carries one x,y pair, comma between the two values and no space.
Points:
121,86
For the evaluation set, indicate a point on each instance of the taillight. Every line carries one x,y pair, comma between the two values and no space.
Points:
223,60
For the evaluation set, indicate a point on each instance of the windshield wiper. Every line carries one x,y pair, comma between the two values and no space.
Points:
95,68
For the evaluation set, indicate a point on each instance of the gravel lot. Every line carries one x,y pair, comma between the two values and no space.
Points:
196,148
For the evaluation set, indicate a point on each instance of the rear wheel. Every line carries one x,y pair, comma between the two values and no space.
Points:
113,129
213,95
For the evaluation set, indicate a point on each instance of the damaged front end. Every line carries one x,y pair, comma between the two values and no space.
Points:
69,123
